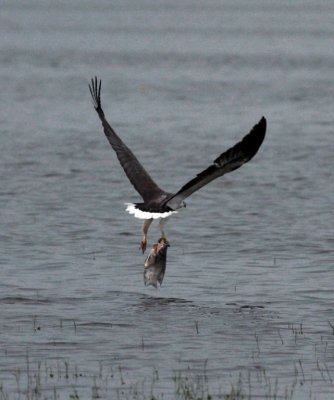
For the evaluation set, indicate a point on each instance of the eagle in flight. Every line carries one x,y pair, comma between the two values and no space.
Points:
158,204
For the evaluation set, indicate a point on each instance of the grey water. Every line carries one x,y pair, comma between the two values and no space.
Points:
247,299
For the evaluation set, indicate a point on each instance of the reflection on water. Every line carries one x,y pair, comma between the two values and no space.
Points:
247,301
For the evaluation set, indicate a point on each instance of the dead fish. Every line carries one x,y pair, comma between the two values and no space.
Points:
155,263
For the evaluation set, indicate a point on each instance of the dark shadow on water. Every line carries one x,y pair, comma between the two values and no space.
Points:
148,302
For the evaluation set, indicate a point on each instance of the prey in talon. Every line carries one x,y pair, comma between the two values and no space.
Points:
155,263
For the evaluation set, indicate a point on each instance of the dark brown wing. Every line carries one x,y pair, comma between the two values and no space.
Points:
228,161
136,173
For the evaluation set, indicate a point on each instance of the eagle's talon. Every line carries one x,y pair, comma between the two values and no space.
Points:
143,245
164,239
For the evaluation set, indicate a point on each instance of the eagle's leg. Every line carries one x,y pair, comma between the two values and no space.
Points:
161,227
146,225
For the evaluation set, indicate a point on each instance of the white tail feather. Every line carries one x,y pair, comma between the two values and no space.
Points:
131,209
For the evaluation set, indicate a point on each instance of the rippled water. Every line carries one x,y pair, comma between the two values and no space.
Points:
247,299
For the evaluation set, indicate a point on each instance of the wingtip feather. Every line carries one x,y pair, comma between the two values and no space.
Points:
263,122
95,91
253,141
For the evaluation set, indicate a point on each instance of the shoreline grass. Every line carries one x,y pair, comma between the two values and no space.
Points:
62,380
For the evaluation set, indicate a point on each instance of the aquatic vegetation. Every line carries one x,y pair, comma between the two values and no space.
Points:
50,381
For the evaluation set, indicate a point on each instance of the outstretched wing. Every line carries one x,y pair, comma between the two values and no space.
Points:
136,173
228,161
